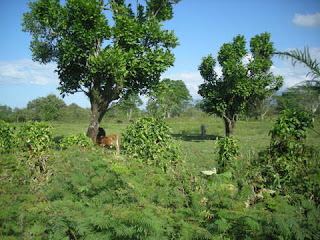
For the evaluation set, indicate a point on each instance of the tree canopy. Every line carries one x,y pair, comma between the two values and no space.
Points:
240,83
169,98
105,50
46,108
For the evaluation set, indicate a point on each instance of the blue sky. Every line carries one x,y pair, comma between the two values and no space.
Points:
202,26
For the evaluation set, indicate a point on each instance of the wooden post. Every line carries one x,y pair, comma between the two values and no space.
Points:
203,130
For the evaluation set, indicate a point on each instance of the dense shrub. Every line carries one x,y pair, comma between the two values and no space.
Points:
80,140
289,165
228,151
35,137
7,137
149,140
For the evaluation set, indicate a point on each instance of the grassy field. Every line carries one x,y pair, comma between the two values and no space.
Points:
91,193
200,152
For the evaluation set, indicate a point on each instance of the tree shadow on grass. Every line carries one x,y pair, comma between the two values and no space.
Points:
195,138
57,139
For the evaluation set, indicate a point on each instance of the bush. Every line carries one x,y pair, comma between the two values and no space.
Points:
149,140
35,137
289,165
228,152
7,137
80,140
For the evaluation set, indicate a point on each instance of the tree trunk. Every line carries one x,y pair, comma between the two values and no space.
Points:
129,114
229,124
100,101
93,128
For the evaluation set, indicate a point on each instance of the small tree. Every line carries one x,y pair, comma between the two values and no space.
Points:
169,98
103,61
240,84
130,103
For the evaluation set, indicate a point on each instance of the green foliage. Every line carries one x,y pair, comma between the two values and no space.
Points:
80,140
228,152
35,137
8,140
149,140
240,84
289,165
94,195
168,99
290,127
6,113
299,98
45,108
129,104
104,61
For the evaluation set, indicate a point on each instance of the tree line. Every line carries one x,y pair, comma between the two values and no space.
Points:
162,103
170,99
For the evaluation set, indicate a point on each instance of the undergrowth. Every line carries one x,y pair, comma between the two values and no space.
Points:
88,193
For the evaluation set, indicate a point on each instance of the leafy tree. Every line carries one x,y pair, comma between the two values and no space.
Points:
240,84
6,113
46,108
169,98
300,98
130,103
103,59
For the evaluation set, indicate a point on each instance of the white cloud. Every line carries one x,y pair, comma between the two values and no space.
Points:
308,20
292,75
192,80
27,72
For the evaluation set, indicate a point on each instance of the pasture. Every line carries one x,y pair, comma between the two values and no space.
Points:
197,151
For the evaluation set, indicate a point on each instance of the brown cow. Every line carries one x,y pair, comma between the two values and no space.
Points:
109,141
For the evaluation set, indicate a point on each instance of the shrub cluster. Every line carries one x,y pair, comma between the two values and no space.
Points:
289,165
7,137
80,140
228,150
149,140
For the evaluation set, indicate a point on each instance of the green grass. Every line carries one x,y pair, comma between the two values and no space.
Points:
200,152
91,193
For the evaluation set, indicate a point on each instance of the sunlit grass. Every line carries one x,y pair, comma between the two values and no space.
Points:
200,152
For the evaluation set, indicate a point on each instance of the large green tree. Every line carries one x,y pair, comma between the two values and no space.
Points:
169,98
103,49
45,108
240,83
